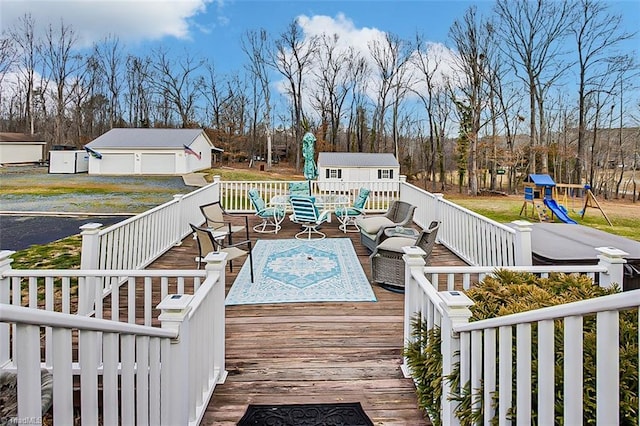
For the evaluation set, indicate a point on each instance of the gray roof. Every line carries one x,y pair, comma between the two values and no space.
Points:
21,138
356,159
146,138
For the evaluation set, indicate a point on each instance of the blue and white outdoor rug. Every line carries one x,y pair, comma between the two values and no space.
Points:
302,271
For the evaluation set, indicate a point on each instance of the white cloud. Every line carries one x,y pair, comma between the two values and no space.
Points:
92,20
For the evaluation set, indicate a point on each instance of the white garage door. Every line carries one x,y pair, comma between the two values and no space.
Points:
158,164
117,164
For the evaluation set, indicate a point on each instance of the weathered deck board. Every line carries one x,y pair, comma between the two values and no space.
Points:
314,352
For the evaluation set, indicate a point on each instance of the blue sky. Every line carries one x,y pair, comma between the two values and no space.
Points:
213,28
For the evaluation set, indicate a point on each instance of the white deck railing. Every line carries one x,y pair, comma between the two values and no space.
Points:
474,238
235,199
137,241
483,349
163,375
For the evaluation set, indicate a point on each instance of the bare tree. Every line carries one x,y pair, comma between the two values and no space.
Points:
357,129
531,32
596,33
389,56
24,37
292,55
427,63
177,84
8,59
110,58
215,93
61,65
337,73
470,37
256,45
139,91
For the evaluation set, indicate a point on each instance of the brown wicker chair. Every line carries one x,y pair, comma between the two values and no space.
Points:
387,266
400,213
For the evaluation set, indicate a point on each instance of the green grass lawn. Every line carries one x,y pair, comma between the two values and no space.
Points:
507,209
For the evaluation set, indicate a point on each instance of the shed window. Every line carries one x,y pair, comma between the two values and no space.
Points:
334,174
385,173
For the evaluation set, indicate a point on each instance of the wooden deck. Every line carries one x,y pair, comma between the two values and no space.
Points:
314,352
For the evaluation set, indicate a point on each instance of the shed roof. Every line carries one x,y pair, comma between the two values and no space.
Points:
21,138
540,180
147,138
356,159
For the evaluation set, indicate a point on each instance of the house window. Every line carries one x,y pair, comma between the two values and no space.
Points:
385,173
334,174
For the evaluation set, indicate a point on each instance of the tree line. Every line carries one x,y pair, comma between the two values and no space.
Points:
532,87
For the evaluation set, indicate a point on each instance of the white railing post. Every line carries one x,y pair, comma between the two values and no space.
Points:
178,221
5,265
414,262
523,252
89,259
216,262
613,259
174,398
456,311
438,211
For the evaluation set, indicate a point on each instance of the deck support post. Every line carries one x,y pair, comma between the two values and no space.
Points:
613,259
174,398
5,265
456,311
523,251
414,262
178,222
216,263
438,213
89,259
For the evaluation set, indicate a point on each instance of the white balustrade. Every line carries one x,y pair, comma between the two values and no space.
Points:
484,348
149,375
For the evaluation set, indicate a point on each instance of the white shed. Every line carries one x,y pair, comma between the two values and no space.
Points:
21,148
68,161
357,167
150,152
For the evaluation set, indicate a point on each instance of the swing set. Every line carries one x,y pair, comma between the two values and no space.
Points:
569,192
548,199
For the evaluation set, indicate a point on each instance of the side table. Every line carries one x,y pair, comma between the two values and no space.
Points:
399,231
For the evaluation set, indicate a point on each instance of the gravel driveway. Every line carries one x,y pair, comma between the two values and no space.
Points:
19,231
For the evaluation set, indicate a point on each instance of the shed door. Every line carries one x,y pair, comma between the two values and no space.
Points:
117,164
158,164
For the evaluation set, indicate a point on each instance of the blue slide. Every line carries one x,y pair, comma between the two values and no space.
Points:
559,212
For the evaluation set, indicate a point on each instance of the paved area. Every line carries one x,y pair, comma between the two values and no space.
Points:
20,232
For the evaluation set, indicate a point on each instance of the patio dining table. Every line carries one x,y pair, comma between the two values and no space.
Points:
323,201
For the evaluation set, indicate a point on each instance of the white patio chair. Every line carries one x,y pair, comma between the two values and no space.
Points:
305,212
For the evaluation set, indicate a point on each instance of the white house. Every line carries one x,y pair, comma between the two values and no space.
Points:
150,152
357,166
21,148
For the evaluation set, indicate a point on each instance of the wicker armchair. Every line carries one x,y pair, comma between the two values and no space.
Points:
387,266
400,213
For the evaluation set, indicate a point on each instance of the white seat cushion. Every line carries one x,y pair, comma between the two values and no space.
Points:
396,243
371,225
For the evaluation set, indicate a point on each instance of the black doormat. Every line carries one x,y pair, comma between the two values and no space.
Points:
340,414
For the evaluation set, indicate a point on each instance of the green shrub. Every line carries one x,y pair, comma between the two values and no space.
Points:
511,292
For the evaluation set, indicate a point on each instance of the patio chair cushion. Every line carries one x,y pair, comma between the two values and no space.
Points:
371,225
395,244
